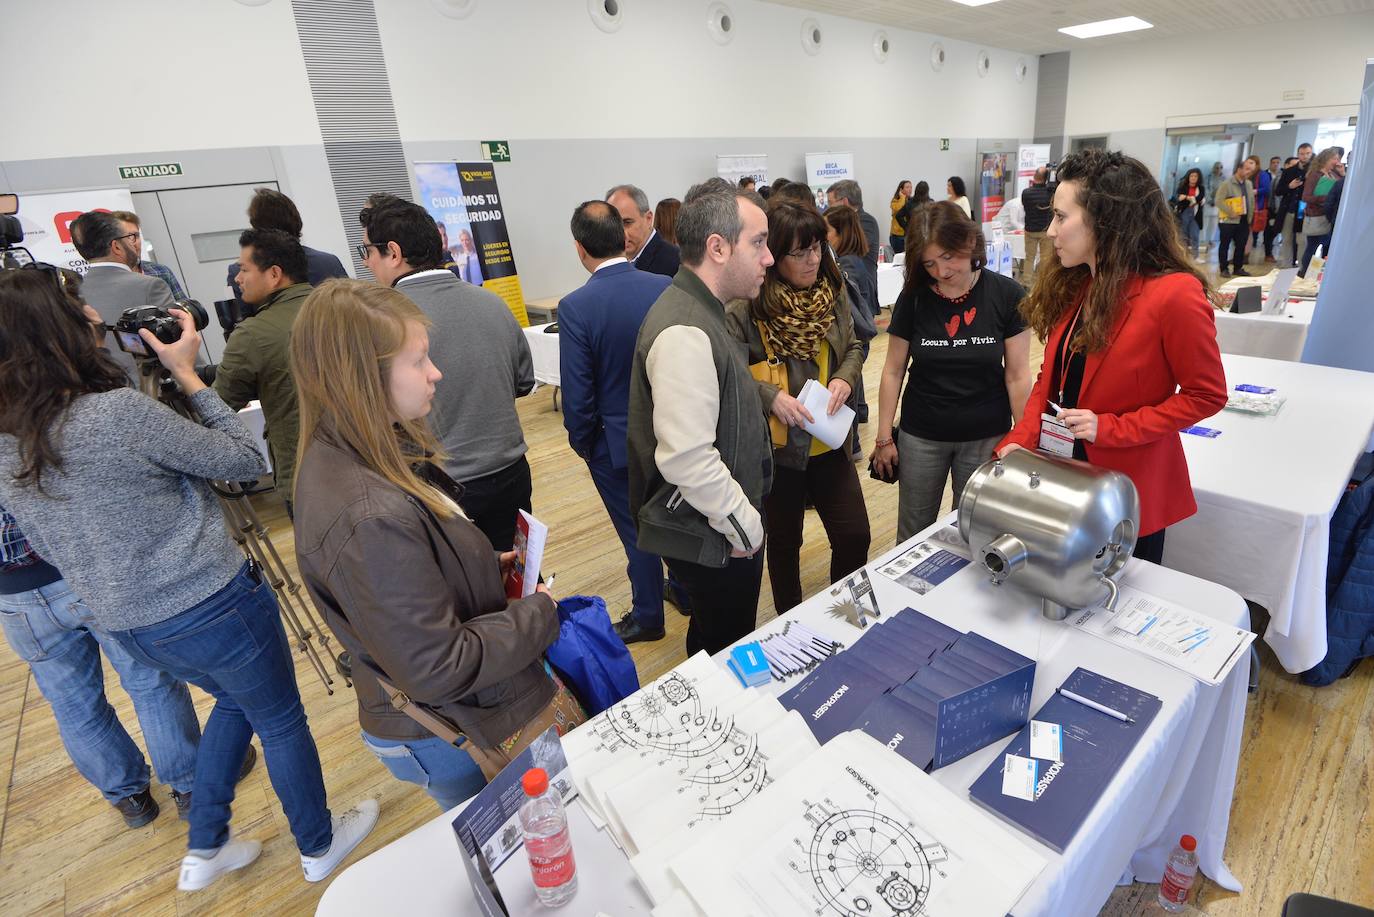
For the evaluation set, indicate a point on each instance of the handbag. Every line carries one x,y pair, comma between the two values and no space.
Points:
589,657
774,372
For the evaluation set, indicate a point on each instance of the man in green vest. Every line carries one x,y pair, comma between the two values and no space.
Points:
698,450
257,364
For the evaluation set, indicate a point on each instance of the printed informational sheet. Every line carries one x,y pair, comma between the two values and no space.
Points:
1204,647
923,566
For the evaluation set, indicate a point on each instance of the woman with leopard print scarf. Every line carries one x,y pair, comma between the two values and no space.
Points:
801,318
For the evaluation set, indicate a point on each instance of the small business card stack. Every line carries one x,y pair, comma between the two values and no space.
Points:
924,689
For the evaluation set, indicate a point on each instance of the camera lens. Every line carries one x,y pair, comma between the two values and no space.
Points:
197,312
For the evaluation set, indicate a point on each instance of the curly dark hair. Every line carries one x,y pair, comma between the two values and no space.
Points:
49,356
1134,235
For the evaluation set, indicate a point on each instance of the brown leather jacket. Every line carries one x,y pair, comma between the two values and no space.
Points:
419,600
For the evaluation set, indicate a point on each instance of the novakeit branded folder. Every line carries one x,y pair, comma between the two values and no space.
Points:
831,698
1094,746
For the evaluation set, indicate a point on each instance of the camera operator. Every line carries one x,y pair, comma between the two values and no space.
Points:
112,284
113,489
256,363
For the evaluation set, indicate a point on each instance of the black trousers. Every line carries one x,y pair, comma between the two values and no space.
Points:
832,484
1239,234
493,501
1150,547
725,600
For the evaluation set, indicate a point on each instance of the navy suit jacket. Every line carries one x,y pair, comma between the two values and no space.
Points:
659,257
598,325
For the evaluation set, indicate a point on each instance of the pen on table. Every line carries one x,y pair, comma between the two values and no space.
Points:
548,583
1115,714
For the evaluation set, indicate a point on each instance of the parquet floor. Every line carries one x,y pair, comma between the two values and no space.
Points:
1301,821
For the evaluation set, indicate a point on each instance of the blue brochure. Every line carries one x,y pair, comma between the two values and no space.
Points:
908,731
831,698
1094,747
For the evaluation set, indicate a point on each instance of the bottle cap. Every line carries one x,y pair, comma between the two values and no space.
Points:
536,781
1187,842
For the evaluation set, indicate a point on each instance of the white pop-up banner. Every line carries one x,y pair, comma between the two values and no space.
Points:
732,167
46,218
824,169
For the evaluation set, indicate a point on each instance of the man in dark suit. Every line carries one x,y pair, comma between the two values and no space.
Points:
270,209
644,247
847,191
598,325
111,248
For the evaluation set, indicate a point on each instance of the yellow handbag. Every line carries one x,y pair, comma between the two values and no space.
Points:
774,372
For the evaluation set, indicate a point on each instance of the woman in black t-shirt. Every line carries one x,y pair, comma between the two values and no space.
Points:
960,330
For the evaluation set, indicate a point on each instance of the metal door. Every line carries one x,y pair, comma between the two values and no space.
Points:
202,227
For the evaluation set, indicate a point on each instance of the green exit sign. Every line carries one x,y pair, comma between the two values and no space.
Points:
496,150
153,170
944,143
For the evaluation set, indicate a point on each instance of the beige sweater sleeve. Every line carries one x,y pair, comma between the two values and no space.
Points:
686,407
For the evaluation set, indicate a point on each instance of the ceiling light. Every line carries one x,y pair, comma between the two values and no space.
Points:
975,2
1107,27
1269,126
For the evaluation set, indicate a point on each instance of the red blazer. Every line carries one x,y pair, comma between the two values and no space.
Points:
1160,372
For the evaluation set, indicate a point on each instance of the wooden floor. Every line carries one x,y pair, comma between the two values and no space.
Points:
1301,821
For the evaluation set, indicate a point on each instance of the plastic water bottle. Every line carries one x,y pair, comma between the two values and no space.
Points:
1318,264
544,824
1179,874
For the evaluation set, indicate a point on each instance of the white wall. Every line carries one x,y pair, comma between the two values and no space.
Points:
541,69
100,77
1224,68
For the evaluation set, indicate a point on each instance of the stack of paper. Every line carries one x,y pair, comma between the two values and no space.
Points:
853,829
830,429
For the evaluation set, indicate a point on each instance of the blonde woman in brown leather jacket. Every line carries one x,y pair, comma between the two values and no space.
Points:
409,586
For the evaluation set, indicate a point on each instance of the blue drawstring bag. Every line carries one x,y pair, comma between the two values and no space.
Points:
591,659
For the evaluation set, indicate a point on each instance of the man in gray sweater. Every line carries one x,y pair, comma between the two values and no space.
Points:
479,347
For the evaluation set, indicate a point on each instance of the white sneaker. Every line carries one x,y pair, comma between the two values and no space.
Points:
199,872
349,830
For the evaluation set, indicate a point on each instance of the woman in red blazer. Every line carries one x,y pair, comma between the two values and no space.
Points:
1131,352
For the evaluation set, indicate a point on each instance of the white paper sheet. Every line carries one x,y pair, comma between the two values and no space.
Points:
830,429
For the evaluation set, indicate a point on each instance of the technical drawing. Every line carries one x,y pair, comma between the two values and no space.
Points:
669,719
867,862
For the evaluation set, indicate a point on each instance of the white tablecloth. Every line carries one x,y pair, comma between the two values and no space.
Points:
1258,334
252,416
1178,780
544,352
1266,489
889,284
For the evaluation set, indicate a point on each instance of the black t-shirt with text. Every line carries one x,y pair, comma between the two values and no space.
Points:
956,387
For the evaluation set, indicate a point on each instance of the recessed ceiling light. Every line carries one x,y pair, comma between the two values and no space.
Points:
975,2
1268,126
1107,27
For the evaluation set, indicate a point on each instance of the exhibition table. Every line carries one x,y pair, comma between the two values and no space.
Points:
1178,779
544,353
1266,489
889,284
1278,336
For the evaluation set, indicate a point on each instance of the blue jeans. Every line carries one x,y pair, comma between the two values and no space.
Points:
1189,230
233,646
447,773
50,629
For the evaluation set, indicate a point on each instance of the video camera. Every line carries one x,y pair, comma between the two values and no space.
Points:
163,325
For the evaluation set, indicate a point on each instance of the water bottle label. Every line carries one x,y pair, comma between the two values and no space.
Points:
1175,885
551,860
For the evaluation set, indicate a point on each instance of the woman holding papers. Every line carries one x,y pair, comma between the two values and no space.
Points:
409,586
959,330
1131,352
800,322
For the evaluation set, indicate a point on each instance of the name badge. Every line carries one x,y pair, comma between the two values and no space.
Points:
1055,437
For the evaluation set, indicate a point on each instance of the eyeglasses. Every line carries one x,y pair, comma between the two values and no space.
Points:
362,249
128,235
806,254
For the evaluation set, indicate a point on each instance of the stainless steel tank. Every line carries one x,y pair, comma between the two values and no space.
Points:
1058,528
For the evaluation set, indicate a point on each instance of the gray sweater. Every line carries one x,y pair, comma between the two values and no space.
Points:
477,344
130,519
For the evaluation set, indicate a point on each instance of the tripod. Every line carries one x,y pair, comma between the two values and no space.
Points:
250,534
